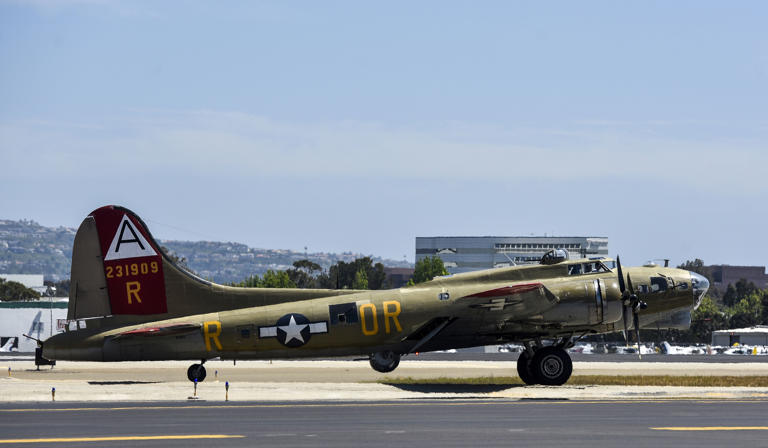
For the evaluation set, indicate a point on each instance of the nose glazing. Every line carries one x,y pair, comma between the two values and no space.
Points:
700,286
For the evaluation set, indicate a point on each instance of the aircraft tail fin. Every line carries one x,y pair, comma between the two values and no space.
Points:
117,267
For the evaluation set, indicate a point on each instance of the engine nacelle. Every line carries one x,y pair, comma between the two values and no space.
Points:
582,313
587,306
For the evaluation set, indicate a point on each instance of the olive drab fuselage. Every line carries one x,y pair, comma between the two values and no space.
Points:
368,321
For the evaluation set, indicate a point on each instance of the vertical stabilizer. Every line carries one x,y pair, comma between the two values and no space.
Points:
88,296
117,268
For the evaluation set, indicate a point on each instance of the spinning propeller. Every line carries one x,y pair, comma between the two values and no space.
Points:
630,300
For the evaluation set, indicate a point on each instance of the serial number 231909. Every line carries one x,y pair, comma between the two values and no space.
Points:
132,269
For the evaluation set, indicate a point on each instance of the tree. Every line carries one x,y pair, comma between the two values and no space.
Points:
707,318
741,290
342,275
304,273
271,279
361,280
747,312
13,291
764,304
276,279
428,268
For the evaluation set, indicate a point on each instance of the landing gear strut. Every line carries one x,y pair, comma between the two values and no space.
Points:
196,372
550,365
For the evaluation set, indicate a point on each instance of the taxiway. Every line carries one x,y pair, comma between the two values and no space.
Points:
594,424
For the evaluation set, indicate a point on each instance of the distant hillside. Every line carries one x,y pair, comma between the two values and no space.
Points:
26,247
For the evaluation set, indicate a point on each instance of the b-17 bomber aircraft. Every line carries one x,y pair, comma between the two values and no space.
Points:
129,302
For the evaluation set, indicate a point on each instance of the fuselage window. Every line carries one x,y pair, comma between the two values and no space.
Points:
658,284
574,269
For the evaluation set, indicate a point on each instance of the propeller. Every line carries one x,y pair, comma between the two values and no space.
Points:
630,300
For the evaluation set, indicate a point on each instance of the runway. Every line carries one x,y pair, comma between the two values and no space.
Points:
339,403
647,423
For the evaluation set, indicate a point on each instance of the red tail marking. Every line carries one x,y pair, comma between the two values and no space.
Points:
133,265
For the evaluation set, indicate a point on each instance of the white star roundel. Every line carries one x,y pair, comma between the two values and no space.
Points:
293,330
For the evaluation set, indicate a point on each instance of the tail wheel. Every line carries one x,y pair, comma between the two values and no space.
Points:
384,362
552,366
524,369
196,372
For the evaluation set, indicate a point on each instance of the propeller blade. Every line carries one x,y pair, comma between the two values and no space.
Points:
636,322
625,315
622,288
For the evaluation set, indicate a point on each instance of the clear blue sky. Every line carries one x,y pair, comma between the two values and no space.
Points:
358,126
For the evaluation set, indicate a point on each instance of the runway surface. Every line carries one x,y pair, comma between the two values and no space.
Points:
648,423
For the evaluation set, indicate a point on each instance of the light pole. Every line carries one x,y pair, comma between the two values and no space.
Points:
50,292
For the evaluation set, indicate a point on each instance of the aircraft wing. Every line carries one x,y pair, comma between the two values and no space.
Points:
513,302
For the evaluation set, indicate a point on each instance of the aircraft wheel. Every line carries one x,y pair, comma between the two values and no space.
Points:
524,369
552,366
196,372
384,362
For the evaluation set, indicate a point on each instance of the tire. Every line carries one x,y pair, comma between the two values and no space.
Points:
524,369
196,372
552,366
384,362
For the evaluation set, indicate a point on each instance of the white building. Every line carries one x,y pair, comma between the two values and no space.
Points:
472,253
39,319
744,336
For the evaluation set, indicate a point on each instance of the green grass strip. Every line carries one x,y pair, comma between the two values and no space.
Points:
596,380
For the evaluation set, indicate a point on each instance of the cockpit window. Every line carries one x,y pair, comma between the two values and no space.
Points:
587,268
658,284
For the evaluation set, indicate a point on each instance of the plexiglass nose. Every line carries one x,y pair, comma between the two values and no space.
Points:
700,286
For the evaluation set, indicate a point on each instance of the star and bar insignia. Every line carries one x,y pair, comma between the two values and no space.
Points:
293,330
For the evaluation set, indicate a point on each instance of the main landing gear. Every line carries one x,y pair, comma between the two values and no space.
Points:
550,365
385,361
196,372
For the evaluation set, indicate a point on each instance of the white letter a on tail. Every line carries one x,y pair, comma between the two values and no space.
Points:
128,243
